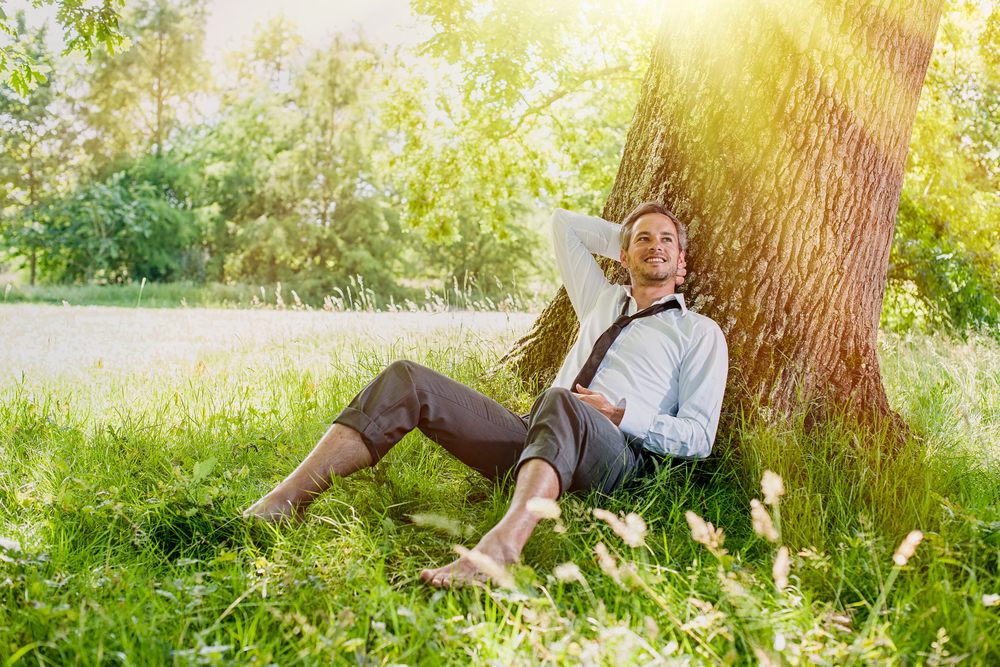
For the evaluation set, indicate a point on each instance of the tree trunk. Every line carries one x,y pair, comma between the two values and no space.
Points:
778,132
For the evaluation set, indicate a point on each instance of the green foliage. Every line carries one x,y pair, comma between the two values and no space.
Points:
955,287
33,148
526,110
288,169
120,492
433,167
87,27
136,223
134,100
945,259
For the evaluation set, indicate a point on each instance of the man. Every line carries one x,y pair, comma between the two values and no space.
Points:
644,379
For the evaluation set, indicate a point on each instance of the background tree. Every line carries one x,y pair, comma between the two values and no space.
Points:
527,109
779,132
34,140
135,100
236,152
943,269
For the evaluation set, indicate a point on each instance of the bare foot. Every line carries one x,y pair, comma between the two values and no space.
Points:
274,510
488,560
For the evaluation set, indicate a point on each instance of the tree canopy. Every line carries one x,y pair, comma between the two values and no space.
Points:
86,29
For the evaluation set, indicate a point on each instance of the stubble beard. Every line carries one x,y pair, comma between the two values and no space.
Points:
648,275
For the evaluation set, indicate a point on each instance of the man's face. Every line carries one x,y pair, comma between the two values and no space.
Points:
653,253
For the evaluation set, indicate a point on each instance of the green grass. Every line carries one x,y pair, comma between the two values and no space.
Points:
122,494
355,296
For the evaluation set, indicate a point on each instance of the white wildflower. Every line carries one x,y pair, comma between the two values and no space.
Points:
991,600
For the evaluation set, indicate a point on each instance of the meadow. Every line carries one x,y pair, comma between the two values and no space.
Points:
131,439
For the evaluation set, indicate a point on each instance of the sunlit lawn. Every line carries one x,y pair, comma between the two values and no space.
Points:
131,439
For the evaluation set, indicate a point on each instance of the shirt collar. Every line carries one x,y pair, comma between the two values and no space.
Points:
676,296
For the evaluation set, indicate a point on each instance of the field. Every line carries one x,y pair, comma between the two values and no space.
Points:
131,439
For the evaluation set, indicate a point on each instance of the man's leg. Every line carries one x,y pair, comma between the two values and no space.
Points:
505,541
570,447
338,453
474,428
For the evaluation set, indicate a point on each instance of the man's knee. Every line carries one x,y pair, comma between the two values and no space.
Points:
406,371
553,397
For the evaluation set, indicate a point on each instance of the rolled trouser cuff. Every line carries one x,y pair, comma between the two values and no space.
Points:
360,422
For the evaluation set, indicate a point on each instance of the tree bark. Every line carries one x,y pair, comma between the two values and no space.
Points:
778,132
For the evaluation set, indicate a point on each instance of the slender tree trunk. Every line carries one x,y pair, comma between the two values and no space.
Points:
33,203
158,92
778,131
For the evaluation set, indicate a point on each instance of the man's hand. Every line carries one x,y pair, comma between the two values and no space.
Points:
601,404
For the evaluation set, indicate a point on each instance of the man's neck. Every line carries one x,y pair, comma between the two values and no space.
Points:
645,296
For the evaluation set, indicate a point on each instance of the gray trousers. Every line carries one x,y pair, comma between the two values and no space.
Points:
585,448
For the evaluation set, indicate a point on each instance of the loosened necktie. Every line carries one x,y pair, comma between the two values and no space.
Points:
604,341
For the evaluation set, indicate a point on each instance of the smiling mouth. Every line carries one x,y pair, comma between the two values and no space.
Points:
656,260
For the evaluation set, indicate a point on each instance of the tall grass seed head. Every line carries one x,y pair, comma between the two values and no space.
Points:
568,572
632,529
772,486
544,508
906,548
705,533
607,562
781,568
492,569
762,524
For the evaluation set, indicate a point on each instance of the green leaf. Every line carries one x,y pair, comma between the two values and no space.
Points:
203,469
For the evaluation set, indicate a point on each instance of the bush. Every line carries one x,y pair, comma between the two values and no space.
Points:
936,280
133,223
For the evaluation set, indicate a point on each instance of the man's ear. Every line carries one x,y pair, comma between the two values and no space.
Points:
681,270
622,259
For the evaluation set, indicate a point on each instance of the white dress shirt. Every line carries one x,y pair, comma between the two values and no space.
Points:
668,370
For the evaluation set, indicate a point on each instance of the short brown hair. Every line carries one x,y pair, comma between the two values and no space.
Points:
652,207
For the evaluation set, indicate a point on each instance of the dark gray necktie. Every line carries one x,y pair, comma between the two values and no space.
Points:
604,341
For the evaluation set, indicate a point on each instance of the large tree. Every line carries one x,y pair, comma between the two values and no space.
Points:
34,153
137,99
779,131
